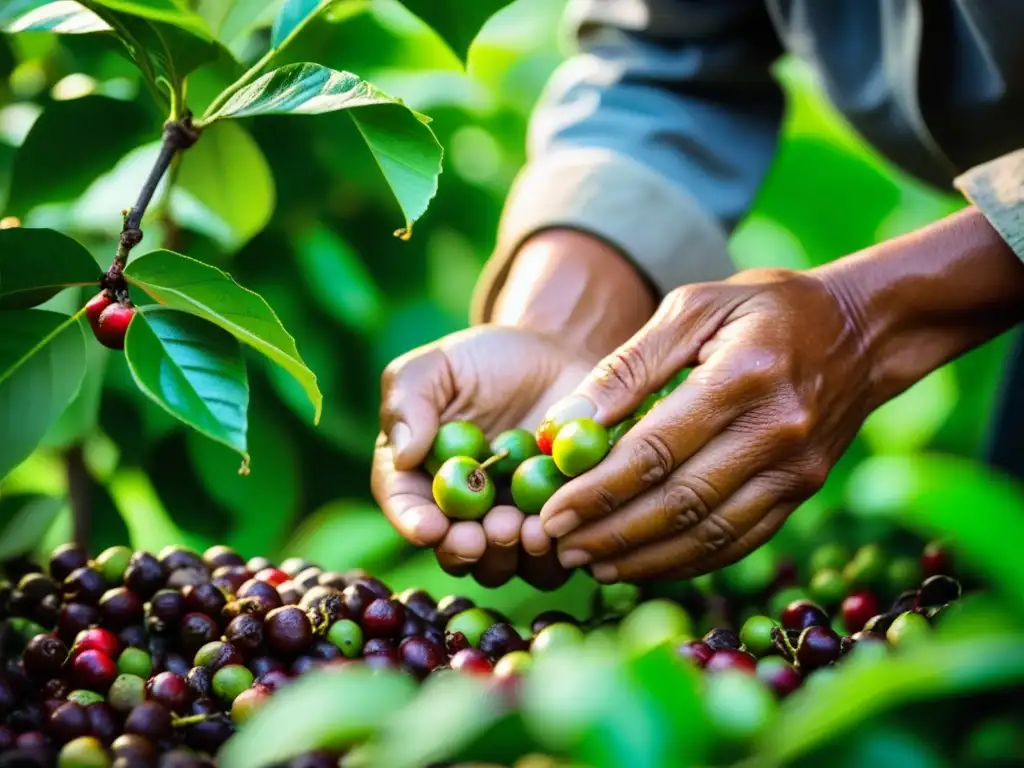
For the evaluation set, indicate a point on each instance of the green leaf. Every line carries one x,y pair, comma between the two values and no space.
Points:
402,143
24,521
64,17
164,11
337,279
227,173
450,712
293,14
71,144
36,264
456,21
333,710
194,370
231,20
42,364
818,714
936,496
206,291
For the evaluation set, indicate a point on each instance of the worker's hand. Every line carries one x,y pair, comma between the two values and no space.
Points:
779,389
500,378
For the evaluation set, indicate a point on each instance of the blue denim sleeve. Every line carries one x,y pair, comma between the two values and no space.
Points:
654,136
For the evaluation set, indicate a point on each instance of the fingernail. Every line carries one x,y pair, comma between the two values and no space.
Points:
604,572
572,407
562,523
399,437
573,558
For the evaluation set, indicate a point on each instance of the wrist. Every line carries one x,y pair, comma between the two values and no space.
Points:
576,288
921,300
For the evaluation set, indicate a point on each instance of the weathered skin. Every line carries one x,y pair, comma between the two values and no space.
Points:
788,366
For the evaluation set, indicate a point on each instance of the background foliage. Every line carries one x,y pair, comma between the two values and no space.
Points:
296,209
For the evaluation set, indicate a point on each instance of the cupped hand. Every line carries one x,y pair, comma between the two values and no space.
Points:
779,387
500,378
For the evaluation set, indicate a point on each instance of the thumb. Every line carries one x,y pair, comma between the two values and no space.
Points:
668,343
415,389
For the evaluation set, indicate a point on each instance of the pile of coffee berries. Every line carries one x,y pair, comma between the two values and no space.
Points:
470,474
136,660
109,318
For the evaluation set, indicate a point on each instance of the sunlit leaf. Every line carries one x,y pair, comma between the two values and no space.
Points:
193,369
36,264
227,173
403,145
206,291
456,21
292,15
63,17
71,144
334,709
859,691
24,521
946,496
42,363
165,11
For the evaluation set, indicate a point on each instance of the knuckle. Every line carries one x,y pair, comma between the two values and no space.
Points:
719,534
815,471
687,503
602,501
623,370
796,426
653,458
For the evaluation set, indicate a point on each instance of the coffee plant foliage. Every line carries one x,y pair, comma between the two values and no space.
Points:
271,291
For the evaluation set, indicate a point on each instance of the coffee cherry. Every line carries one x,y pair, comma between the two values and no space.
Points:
472,623
546,618
756,634
230,681
219,556
248,702
83,752
907,629
150,720
93,670
288,630
120,607
95,307
420,655
519,445
857,609
217,654
803,613
112,563
348,636
817,647
131,746
720,639
499,639
103,722
535,482
695,651
556,636
170,690
779,675
938,590
472,661
68,722
456,438
731,659
580,445
65,559
84,585
44,657
828,587
196,630
135,661
112,325
144,574
245,633
936,559
462,489
126,692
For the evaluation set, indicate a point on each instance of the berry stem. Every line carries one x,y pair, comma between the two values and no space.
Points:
178,135
181,722
494,459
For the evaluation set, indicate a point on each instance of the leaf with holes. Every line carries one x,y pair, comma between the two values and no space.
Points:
457,22
189,285
36,264
194,370
42,364
402,143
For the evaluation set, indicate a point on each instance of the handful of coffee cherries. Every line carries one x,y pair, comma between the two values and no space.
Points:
467,468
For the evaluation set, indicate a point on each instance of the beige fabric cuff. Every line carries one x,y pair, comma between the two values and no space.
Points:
997,189
662,229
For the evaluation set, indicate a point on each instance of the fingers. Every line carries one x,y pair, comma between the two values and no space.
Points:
534,539
501,527
407,500
669,342
719,532
686,498
648,454
462,547
415,389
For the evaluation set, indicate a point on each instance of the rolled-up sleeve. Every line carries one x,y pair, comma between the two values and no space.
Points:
997,189
654,137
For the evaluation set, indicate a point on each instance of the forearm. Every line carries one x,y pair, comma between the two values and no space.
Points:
576,288
923,299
